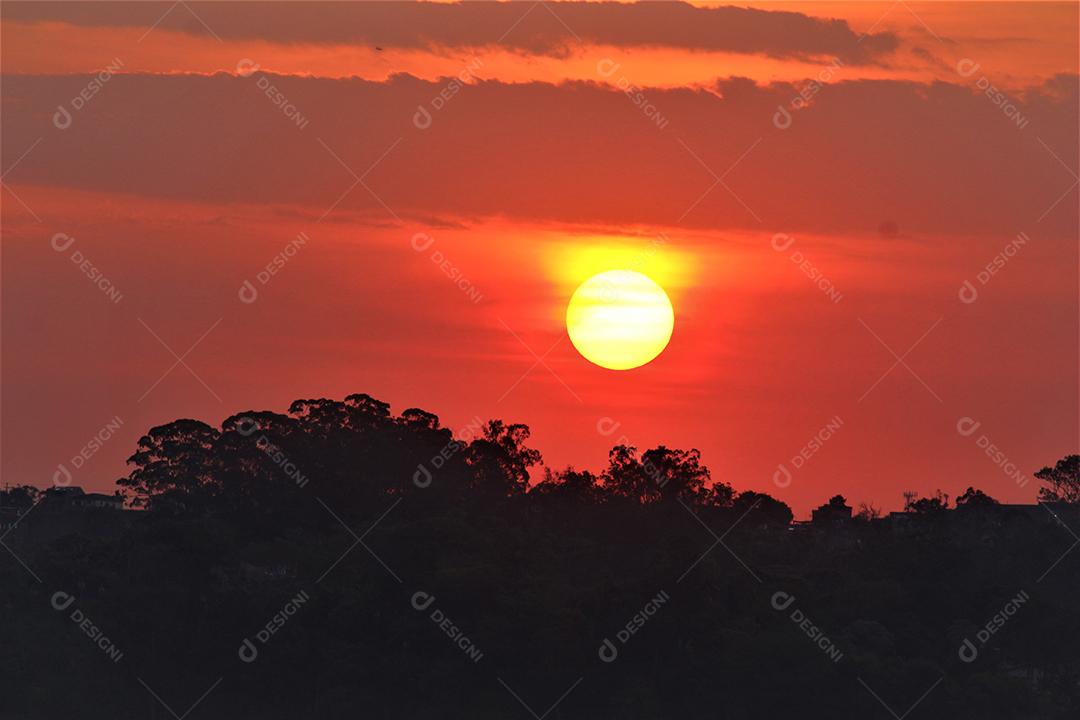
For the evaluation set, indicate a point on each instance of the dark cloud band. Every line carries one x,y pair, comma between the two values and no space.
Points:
540,28
852,156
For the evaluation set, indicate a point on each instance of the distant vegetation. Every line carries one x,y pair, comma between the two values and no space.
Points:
339,561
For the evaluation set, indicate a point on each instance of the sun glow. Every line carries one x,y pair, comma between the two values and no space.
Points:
620,319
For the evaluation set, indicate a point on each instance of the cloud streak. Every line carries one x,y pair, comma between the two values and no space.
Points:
939,158
540,28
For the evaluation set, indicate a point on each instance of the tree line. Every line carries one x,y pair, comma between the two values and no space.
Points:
338,559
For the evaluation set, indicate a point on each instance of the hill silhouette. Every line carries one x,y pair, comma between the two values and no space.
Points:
341,561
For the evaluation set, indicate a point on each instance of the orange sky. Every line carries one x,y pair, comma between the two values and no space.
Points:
185,169
1020,43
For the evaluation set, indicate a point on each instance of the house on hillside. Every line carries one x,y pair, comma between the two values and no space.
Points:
100,500
833,515
69,510
74,497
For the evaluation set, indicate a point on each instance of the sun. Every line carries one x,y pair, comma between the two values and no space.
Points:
620,319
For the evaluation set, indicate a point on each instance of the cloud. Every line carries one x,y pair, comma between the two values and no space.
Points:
938,158
546,29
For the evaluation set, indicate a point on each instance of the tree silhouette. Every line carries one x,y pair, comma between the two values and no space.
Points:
867,512
975,498
935,505
174,464
1063,480
571,485
537,574
499,460
19,496
761,511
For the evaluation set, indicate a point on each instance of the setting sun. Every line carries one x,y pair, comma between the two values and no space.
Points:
620,319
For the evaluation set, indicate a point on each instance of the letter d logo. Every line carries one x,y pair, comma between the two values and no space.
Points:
62,476
606,426
968,651
248,294
781,118
246,426
421,242
968,294
422,600
782,477
607,652
61,118
246,67
966,426
421,118
967,67
422,477
606,67
248,652
781,241
782,600
61,600
61,241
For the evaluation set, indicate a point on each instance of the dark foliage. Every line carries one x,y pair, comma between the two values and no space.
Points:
366,516
1063,480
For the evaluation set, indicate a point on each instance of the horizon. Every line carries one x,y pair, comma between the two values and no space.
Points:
63,478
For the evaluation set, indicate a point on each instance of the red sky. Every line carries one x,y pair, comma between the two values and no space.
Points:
931,137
